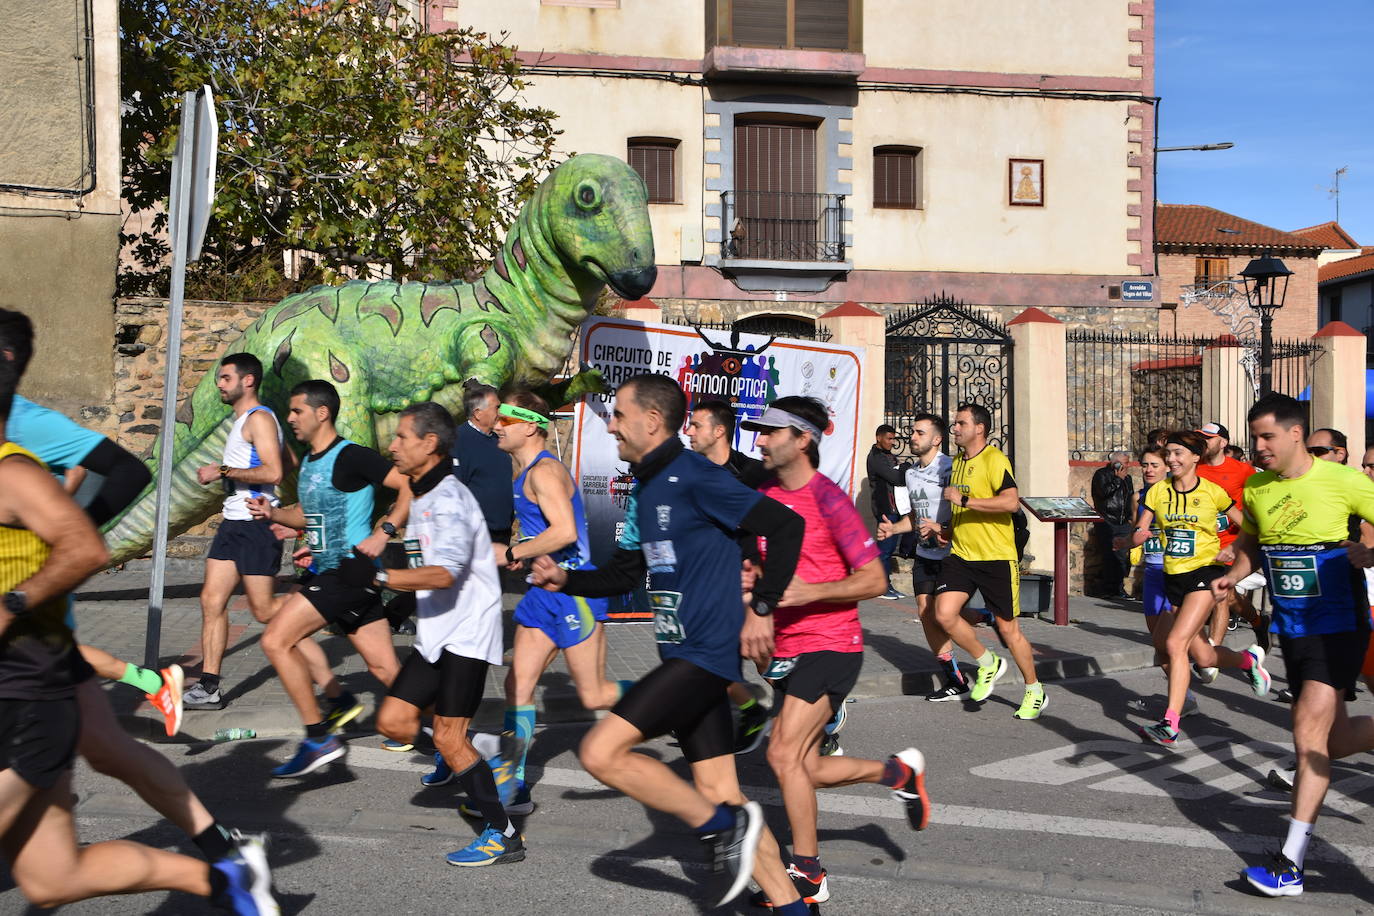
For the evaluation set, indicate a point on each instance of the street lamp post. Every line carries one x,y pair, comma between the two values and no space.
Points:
1266,286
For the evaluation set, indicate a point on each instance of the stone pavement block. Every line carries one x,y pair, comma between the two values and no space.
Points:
111,612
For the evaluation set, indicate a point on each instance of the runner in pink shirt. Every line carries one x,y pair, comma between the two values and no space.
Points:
818,640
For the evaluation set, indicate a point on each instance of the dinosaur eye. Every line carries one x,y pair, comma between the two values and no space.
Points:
588,195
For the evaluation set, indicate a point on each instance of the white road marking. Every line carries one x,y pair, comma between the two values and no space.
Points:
886,808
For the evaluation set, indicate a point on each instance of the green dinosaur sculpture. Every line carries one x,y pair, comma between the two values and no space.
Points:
385,345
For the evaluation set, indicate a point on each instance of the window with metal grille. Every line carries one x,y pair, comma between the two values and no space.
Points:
654,158
820,24
897,177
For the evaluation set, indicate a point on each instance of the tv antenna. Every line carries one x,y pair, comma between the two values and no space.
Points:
1335,189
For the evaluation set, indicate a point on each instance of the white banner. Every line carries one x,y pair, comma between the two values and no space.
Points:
746,371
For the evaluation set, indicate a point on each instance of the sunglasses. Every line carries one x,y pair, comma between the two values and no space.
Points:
1318,450
510,421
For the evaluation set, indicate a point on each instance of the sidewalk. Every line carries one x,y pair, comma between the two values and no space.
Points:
111,611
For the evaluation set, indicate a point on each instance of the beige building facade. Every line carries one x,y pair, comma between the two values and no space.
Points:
803,153
60,190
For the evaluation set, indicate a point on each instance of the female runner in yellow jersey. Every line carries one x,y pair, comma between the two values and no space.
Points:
1187,509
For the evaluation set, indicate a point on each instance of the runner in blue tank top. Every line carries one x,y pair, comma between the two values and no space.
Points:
337,482
548,507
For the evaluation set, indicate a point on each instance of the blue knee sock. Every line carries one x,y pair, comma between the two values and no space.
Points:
519,724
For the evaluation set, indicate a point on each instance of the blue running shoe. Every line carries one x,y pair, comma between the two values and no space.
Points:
248,881
491,847
312,754
1280,878
397,747
441,775
519,806
837,721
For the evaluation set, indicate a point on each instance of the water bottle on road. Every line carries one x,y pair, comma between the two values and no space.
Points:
233,734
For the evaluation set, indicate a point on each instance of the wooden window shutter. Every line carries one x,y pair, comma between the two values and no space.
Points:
761,23
654,160
897,177
821,24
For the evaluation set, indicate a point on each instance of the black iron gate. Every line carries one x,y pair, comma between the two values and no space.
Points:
941,354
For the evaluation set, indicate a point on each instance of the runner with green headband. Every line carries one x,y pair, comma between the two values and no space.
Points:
523,415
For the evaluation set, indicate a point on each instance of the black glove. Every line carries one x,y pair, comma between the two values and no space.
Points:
357,571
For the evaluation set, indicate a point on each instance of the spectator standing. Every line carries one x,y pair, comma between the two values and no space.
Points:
884,474
481,466
1112,498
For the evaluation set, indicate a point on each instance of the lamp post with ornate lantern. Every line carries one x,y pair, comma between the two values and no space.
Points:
1266,285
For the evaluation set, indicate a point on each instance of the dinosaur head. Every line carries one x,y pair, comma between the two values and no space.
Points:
597,211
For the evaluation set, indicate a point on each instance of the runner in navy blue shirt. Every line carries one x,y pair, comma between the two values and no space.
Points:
680,529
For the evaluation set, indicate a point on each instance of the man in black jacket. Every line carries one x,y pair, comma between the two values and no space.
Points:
885,473
1112,497
481,466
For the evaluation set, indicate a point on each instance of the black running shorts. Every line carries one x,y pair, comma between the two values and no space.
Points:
454,684
250,544
38,739
346,607
1178,586
813,675
925,575
998,581
688,701
1328,658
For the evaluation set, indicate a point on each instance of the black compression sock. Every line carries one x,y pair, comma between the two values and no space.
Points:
214,842
318,730
478,781
210,682
219,884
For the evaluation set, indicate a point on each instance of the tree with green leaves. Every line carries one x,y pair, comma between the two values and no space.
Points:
347,131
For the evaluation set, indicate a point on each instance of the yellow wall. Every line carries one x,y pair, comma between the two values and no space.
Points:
639,28
966,223
1084,37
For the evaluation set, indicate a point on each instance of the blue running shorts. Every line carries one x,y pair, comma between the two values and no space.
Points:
1156,602
567,620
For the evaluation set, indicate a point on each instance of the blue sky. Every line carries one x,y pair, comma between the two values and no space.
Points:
1290,84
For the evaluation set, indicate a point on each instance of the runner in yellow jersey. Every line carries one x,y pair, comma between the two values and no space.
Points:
982,495
48,547
1296,527
1187,509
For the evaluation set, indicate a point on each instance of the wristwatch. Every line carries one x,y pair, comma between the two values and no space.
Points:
389,529
17,603
963,500
761,607
510,554
224,470
382,578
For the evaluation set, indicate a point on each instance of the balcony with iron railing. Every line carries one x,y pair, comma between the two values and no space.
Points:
782,226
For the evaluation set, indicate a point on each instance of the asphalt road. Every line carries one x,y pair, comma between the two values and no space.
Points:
1071,814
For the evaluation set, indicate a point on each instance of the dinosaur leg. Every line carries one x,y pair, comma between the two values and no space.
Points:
587,381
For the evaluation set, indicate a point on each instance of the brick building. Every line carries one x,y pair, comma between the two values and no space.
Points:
1201,252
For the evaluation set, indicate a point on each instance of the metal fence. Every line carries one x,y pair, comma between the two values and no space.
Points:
782,226
1121,386
769,326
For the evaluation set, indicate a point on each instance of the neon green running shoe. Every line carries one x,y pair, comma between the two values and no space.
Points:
986,678
1032,704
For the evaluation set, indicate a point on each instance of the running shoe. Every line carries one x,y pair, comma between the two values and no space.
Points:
312,754
491,847
1140,705
1280,878
754,725
167,700
837,721
830,747
1205,675
952,690
1282,779
913,792
248,880
441,775
1284,695
197,697
892,594
520,805
342,709
986,678
732,849
1259,678
397,747
1032,704
811,891
1161,733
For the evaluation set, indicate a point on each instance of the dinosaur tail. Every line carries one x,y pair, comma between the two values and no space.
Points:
131,534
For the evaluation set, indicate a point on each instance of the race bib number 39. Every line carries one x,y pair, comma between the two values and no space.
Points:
667,623
1295,577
